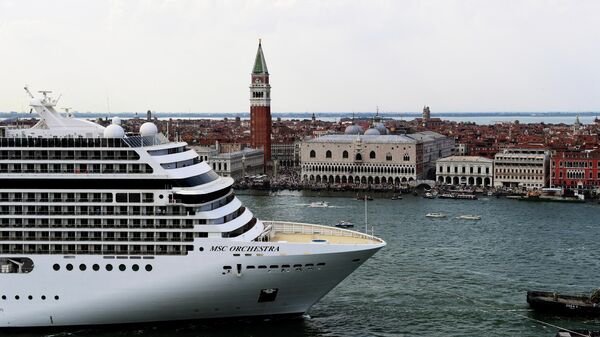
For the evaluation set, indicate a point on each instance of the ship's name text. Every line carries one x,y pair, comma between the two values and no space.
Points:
244,249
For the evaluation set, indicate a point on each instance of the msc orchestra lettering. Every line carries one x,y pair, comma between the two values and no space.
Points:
245,249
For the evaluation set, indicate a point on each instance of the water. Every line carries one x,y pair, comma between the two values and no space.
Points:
436,277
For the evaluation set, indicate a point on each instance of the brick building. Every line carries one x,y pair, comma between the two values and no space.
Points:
575,169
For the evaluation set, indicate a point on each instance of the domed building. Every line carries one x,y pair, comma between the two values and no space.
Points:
372,132
354,130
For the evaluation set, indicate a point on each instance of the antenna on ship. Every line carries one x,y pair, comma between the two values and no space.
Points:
366,218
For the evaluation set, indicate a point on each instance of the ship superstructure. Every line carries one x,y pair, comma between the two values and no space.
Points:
99,227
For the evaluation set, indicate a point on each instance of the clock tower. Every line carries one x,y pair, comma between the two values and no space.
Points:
260,105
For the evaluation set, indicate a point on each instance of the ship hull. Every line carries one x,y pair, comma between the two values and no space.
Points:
190,287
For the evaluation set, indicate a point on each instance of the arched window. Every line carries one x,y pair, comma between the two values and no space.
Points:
345,154
313,153
406,157
372,155
388,157
328,154
358,156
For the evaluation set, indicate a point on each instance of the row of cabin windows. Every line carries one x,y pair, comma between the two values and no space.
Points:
95,249
60,197
62,142
30,297
172,150
107,267
44,222
358,156
180,164
284,267
98,210
67,155
75,168
100,236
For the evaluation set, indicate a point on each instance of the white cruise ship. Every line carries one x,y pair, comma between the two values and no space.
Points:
102,227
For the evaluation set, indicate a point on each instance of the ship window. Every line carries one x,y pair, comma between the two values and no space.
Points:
96,267
56,267
121,197
135,267
134,197
30,297
82,267
109,267
17,297
56,297
3,297
122,267
43,297
273,266
148,267
249,267
69,267
321,264
262,267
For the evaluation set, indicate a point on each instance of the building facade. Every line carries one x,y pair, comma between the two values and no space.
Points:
575,169
361,159
235,164
435,146
260,106
465,170
524,168
287,154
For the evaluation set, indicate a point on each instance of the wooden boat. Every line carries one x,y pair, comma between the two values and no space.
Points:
571,305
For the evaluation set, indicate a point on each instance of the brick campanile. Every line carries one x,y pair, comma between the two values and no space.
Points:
260,105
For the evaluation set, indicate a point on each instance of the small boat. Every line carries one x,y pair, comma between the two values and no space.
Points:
447,196
466,196
570,305
344,224
363,197
396,197
469,217
429,195
319,204
435,215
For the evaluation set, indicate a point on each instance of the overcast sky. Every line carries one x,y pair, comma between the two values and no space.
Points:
341,55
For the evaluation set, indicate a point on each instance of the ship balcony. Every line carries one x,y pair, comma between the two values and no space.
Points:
294,232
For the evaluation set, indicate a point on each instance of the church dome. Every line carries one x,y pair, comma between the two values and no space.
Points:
381,128
353,130
372,132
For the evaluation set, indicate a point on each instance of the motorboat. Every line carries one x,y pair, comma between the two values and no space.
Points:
344,224
429,195
435,215
469,217
319,204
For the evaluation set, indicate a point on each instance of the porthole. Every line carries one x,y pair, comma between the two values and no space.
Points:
161,196
148,267
201,249
56,297
109,267
82,267
30,297
135,267
17,297
122,267
43,297
56,267
96,267
69,267
3,297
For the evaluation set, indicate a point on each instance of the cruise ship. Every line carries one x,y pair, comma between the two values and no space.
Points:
102,226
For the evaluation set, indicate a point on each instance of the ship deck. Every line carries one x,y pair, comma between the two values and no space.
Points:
308,233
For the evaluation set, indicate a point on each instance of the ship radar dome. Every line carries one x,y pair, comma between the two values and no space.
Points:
114,131
116,120
372,132
148,129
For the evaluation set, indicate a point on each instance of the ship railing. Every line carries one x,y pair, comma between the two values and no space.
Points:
311,229
141,141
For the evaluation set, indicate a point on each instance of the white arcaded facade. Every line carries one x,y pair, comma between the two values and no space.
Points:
465,170
526,168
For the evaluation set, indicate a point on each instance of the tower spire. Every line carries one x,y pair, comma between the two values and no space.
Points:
260,65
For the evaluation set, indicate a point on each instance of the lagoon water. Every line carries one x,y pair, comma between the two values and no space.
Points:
436,277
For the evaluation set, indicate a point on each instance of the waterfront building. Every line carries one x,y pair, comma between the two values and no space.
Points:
575,169
260,105
465,170
286,153
366,159
235,164
525,168
435,146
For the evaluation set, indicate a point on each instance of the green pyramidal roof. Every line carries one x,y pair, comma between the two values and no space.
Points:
260,66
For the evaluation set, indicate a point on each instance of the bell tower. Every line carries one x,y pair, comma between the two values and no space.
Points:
260,105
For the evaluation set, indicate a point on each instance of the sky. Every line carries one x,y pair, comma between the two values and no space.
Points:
323,56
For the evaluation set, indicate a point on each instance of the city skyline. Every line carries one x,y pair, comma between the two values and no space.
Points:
323,56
